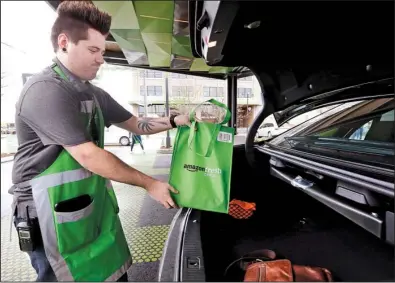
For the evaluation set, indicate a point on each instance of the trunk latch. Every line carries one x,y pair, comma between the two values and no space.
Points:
193,263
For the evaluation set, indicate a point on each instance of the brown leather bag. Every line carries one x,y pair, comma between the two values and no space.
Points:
264,266
282,270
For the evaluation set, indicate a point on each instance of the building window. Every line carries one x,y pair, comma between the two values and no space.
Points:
150,74
178,76
151,90
158,109
246,79
213,91
182,91
244,92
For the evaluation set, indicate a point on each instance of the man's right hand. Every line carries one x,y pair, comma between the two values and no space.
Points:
107,165
160,191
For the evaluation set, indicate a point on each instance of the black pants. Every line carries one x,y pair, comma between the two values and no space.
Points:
133,143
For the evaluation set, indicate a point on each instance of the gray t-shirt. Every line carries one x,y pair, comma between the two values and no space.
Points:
50,114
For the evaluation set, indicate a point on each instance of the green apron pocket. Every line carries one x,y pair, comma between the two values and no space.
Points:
76,229
64,217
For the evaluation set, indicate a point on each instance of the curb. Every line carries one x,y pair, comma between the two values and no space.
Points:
165,151
7,159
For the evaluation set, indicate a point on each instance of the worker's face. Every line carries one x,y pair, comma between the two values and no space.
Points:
86,57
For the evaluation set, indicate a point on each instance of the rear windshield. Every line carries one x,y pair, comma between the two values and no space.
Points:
364,132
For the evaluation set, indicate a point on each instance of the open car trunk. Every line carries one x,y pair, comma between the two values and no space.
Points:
295,226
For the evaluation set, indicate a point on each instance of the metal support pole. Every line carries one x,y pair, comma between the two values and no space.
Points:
232,100
167,107
229,97
248,115
234,103
145,96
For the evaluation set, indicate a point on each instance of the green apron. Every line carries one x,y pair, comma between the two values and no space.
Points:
88,244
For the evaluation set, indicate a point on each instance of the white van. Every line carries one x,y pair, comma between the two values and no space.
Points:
116,136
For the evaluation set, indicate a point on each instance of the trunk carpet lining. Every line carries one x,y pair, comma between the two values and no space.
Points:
347,257
349,252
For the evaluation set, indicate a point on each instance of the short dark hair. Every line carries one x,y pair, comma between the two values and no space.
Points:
75,18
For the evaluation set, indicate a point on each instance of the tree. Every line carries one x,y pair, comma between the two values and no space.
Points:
243,115
185,97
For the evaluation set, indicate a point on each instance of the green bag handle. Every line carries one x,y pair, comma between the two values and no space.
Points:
215,102
210,147
216,130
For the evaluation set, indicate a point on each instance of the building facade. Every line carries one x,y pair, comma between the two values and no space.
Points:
186,92
144,92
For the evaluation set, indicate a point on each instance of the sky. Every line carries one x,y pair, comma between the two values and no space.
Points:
26,26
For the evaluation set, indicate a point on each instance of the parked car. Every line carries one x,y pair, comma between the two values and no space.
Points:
324,190
116,136
8,131
269,130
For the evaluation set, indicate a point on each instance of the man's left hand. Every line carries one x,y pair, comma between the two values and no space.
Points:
160,191
182,120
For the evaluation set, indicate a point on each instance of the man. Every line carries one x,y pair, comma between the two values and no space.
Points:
136,139
61,171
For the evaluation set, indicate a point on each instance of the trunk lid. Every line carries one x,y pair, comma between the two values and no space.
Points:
304,55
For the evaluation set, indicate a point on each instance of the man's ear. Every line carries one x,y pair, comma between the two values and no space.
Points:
63,41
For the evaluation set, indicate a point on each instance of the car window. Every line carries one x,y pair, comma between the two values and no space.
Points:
378,128
363,132
360,133
270,122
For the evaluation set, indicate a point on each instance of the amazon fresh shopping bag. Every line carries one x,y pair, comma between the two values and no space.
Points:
202,164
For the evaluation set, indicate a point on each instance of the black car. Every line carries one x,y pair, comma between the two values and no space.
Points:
324,190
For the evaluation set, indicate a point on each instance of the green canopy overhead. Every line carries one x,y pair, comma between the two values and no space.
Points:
156,26
154,35
199,65
129,39
181,46
122,13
